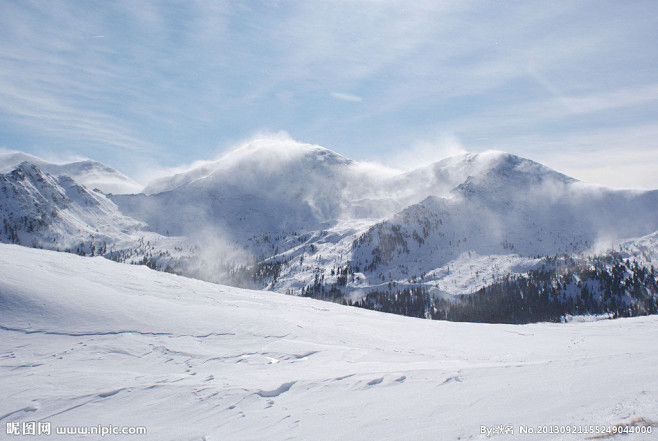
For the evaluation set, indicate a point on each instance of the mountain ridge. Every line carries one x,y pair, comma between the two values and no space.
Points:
313,221
92,174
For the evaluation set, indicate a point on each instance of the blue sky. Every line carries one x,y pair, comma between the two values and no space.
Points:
146,85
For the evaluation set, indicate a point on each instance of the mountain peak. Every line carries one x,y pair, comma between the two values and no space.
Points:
27,171
257,157
11,160
482,160
90,173
271,152
279,146
495,162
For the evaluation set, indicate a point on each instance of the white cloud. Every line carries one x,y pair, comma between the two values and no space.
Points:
610,100
614,157
346,97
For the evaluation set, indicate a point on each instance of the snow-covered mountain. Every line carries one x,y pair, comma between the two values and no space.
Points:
288,216
283,186
265,186
86,342
91,174
39,209
513,208
453,226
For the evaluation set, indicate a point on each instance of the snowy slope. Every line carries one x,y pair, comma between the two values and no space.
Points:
85,341
91,174
644,249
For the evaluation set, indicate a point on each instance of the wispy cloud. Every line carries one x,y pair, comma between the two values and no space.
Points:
177,81
610,100
346,97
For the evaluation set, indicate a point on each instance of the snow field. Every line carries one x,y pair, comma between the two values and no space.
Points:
86,341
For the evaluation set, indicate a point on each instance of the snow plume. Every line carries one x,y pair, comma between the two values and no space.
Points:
604,243
273,152
51,156
312,183
166,178
9,159
216,258
323,184
426,152
260,152
357,295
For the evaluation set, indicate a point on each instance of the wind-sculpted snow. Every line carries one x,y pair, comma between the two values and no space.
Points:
88,342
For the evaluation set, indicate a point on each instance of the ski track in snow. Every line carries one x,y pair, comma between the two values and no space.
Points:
87,341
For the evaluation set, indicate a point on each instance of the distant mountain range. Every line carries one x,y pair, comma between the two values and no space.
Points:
301,219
